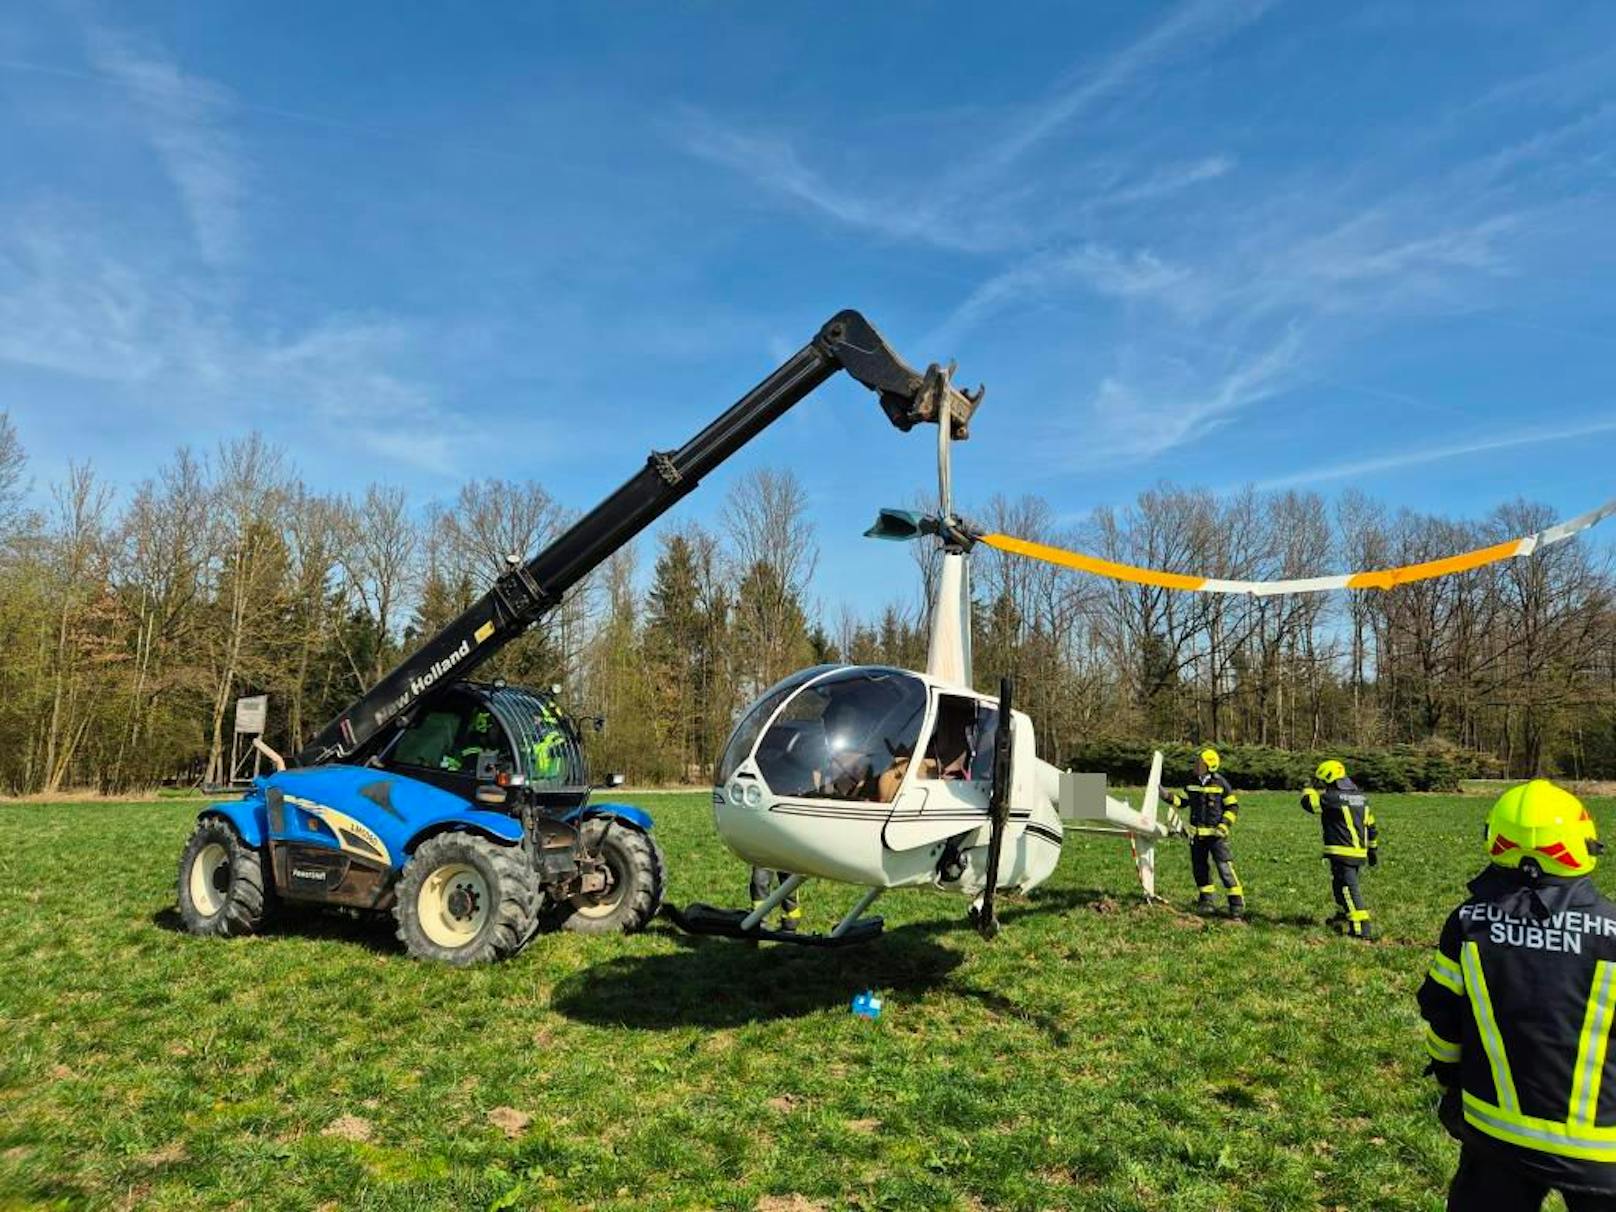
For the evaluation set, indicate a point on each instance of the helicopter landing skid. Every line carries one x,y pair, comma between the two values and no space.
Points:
728,923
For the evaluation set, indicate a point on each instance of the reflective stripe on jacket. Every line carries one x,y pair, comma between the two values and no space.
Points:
1344,814
1519,1002
1212,803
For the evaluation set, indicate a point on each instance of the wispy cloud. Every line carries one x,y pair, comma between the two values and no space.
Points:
1388,245
77,302
1161,181
938,201
1437,454
184,118
84,296
1167,405
1189,28
974,213
1104,270
160,88
771,161
1293,259
1257,278
68,306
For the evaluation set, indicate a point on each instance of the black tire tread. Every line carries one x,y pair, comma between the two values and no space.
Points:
517,890
643,858
250,898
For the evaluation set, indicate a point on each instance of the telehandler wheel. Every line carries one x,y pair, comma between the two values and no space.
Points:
633,893
466,900
222,884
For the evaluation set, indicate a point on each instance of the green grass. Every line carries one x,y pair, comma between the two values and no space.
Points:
1100,1054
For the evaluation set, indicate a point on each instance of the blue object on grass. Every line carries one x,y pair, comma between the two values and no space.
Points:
867,1004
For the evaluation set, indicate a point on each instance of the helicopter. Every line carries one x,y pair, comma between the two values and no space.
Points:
880,777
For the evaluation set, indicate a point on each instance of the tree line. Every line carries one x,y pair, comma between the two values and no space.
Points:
132,618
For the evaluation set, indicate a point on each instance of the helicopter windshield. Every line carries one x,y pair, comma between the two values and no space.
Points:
757,715
836,738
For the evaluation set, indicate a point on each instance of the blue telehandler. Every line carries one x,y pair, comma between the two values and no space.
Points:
464,808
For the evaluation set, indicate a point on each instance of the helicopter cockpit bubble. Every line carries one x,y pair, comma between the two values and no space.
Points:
739,746
836,736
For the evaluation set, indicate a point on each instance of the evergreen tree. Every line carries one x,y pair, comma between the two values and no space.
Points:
675,652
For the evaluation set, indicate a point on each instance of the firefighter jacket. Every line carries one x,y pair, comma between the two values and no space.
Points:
1213,805
1349,825
1519,1003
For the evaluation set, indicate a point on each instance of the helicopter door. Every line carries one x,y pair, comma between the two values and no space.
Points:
947,793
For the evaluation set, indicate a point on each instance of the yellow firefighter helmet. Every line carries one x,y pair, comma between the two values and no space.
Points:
1546,824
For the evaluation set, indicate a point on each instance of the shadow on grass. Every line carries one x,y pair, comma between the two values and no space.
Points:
372,931
722,982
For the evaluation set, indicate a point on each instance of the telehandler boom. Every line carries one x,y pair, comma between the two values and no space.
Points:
464,807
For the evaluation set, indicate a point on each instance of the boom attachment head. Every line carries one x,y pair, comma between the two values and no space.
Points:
908,398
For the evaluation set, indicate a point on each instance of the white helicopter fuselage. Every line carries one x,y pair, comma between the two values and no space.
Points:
870,814
882,777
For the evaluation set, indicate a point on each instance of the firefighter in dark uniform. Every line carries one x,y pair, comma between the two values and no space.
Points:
1518,1003
1350,841
1213,809
763,883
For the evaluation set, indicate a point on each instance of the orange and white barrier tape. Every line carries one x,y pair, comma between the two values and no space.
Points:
1383,578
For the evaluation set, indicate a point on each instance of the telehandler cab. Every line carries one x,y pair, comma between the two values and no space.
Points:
464,808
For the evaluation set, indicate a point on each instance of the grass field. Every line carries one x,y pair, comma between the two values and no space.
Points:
1100,1054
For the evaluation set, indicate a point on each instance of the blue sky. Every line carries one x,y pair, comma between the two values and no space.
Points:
1217,242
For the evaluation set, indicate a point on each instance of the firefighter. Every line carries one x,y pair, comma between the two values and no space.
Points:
1519,1003
763,883
549,756
1350,841
548,751
1213,810
479,738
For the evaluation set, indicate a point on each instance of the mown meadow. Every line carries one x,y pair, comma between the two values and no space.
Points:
1100,1054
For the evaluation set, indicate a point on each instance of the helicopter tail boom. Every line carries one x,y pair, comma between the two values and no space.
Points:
1085,807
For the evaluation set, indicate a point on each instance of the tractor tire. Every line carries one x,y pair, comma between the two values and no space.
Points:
466,900
222,886
634,893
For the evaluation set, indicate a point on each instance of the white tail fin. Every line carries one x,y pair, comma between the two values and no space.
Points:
1152,791
1144,844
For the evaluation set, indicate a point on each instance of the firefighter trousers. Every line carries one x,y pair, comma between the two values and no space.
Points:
763,883
1485,1182
1204,852
1348,896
